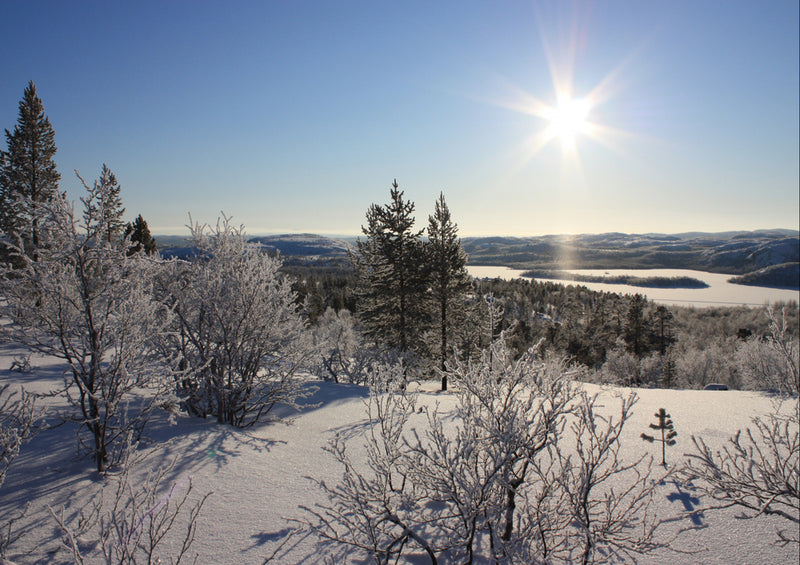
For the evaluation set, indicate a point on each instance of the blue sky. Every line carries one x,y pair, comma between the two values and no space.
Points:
295,116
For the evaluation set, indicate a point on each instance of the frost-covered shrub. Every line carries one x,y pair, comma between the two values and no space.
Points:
240,338
518,474
695,368
758,469
771,363
81,298
129,522
340,355
18,422
620,367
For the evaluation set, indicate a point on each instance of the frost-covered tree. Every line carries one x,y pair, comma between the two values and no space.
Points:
341,356
28,175
110,207
239,332
501,480
85,301
392,276
772,363
449,282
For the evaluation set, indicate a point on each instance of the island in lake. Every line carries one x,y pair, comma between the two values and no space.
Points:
632,280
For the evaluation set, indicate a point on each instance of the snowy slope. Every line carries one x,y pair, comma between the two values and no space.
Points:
258,479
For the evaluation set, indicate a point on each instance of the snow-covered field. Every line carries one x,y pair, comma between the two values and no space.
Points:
258,477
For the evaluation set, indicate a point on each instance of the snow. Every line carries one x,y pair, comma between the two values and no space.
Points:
259,476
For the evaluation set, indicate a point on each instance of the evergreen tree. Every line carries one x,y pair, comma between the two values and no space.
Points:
28,175
668,433
140,236
449,278
635,330
112,209
392,277
663,319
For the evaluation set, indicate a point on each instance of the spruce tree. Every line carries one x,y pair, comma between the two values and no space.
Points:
28,175
140,236
449,278
112,208
392,276
668,433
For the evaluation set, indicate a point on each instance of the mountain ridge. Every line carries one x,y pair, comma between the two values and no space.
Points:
733,252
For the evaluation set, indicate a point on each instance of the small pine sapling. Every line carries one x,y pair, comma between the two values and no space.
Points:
668,433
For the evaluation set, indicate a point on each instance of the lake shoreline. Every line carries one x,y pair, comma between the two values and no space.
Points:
720,292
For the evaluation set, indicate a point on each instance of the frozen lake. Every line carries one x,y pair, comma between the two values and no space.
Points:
719,292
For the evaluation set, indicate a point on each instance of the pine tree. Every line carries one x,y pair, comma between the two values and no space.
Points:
28,175
140,236
668,434
635,330
449,278
392,277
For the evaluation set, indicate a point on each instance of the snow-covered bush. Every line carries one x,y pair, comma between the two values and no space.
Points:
239,335
771,363
18,422
623,368
128,521
758,469
82,299
340,356
518,474
696,368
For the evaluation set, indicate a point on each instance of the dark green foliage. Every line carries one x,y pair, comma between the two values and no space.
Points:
582,323
28,175
392,277
320,287
663,326
668,434
635,335
449,278
140,236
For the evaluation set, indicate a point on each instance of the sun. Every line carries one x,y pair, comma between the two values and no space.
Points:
567,119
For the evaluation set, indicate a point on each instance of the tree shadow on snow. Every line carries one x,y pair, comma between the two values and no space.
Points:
690,504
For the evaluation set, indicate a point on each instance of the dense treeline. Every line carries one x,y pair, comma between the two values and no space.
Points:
586,325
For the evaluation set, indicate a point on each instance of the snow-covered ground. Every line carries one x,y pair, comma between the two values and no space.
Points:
258,476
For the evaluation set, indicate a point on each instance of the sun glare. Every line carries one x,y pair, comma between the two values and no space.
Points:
568,119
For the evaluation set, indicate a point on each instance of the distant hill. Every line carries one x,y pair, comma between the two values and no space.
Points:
728,252
307,246
785,275
736,252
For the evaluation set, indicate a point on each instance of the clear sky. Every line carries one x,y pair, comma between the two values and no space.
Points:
295,116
